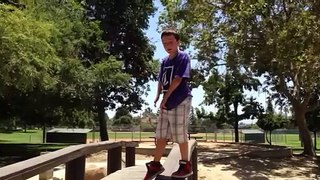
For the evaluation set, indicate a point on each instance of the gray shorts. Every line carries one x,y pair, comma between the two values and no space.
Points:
173,124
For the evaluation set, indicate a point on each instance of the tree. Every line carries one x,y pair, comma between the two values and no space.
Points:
121,112
123,120
129,45
228,91
206,119
270,121
27,57
195,123
67,89
275,39
313,119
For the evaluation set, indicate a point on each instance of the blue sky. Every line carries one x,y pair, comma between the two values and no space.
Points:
198,94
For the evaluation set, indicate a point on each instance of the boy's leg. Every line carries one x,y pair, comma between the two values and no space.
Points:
160,147
184,151
179,119
162,134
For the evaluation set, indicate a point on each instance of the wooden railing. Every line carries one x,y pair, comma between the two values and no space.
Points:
74,158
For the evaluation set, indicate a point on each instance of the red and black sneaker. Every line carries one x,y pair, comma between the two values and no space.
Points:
185,170
154,169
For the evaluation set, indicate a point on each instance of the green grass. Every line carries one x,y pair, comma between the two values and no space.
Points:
31,136
35,136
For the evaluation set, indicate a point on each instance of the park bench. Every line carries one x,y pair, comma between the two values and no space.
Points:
171,165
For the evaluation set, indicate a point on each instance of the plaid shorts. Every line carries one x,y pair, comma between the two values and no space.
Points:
173,124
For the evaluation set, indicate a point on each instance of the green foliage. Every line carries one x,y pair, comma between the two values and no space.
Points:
313,120
127,43
126,119
27,56
270,121
195,123
38,87
206,119
121,112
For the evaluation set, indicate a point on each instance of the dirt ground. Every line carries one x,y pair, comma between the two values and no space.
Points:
224,161
231,166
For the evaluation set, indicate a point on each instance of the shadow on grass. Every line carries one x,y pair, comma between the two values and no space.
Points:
7,132
4,141
17,131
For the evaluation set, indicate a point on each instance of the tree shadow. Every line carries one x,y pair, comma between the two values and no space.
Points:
1,140
234,158
6,132
17,131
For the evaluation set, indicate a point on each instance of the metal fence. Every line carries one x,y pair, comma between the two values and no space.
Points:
287,137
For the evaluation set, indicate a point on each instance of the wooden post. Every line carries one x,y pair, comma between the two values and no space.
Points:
206,134
131,133
215,136
114,160
75,169
130,156
232,135
194,161
48,174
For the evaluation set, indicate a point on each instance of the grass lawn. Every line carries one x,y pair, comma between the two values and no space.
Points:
31,136
35,136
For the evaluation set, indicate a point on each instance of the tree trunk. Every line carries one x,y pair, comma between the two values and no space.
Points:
299,113
270,133
44,133
236,122
267,139
25,126
315,139
102,121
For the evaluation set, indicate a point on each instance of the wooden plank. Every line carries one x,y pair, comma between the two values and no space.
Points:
130,156
114,160
130,144
129,173
75,169
194,160
31,167
172,163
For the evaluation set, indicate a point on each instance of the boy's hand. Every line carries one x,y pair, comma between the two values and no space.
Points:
156,100
163,104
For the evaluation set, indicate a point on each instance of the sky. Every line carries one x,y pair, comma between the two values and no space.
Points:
198,94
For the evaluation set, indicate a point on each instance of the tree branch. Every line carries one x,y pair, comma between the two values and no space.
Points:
283,88
306,99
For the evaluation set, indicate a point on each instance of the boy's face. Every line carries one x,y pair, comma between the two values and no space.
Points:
170,44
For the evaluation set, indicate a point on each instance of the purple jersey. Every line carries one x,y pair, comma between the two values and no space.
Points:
178,66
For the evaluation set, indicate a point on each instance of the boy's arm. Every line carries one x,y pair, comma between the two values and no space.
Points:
175,83
182,72
158,93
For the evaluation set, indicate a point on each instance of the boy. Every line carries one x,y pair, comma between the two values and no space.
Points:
174,108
